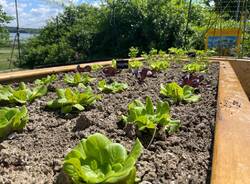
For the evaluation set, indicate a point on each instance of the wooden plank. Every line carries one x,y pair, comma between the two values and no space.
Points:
242,70
19,75
231,158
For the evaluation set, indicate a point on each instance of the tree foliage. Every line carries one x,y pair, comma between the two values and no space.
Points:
87,32
4,34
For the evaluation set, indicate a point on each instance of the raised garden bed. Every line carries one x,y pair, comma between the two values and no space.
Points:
36,154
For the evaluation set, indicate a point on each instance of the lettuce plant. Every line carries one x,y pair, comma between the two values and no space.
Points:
12,119
114,63
96,67
135,64
159,65
195,67
176,93
114,87
110,71
98,160
46,80
22,94
77,78
83,69
133,52
149,117
69,99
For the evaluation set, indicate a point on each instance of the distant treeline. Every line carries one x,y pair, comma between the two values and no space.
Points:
24,30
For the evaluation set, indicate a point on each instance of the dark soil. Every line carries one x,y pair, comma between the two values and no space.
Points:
36,155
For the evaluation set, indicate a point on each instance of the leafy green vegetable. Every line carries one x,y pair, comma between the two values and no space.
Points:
195,67
114,87
135,64
12,119
98,160
46,80
176,93
22,94
149,117
72,99
159,65
78,78
96,67
133,51
114,63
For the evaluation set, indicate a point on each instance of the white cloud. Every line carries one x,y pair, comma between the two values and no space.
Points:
31,13
35,13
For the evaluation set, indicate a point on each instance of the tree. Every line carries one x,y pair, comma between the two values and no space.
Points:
4,34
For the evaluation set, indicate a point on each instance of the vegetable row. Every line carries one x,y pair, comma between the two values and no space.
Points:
97,159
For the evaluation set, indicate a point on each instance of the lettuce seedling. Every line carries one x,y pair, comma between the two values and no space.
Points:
192,80
176,93
98,160
143,73
135,64
83,69
114,87
12,119
46,80
195,67
96,67
114,63
159,65
149,117
110,71
68,100
22,94
77,78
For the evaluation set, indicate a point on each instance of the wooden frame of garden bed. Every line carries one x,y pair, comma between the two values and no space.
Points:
231,157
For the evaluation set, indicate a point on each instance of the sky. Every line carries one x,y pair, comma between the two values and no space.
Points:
34,13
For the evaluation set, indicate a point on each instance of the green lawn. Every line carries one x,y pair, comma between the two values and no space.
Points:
5,54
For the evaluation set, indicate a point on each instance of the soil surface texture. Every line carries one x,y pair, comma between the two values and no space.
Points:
35,156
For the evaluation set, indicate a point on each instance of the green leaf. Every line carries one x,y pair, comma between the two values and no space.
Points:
12,119
146,117
98,160
149,106
114,87
77,78
79,107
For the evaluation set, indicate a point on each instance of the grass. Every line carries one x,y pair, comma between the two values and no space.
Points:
5,54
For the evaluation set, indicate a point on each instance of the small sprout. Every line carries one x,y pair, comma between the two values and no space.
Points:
133,52
142,74
149,117
46,80
114,87
110,71
195,67
134,64
159,65
114,63
192,80
68,100
176,93
96,67
84,69
22,94
78,78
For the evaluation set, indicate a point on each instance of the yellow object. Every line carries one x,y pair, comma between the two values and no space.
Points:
223,39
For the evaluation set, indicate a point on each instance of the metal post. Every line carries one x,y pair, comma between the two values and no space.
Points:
17,32
186,30
237,11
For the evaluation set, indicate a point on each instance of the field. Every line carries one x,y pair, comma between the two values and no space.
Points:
36,154
5,54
